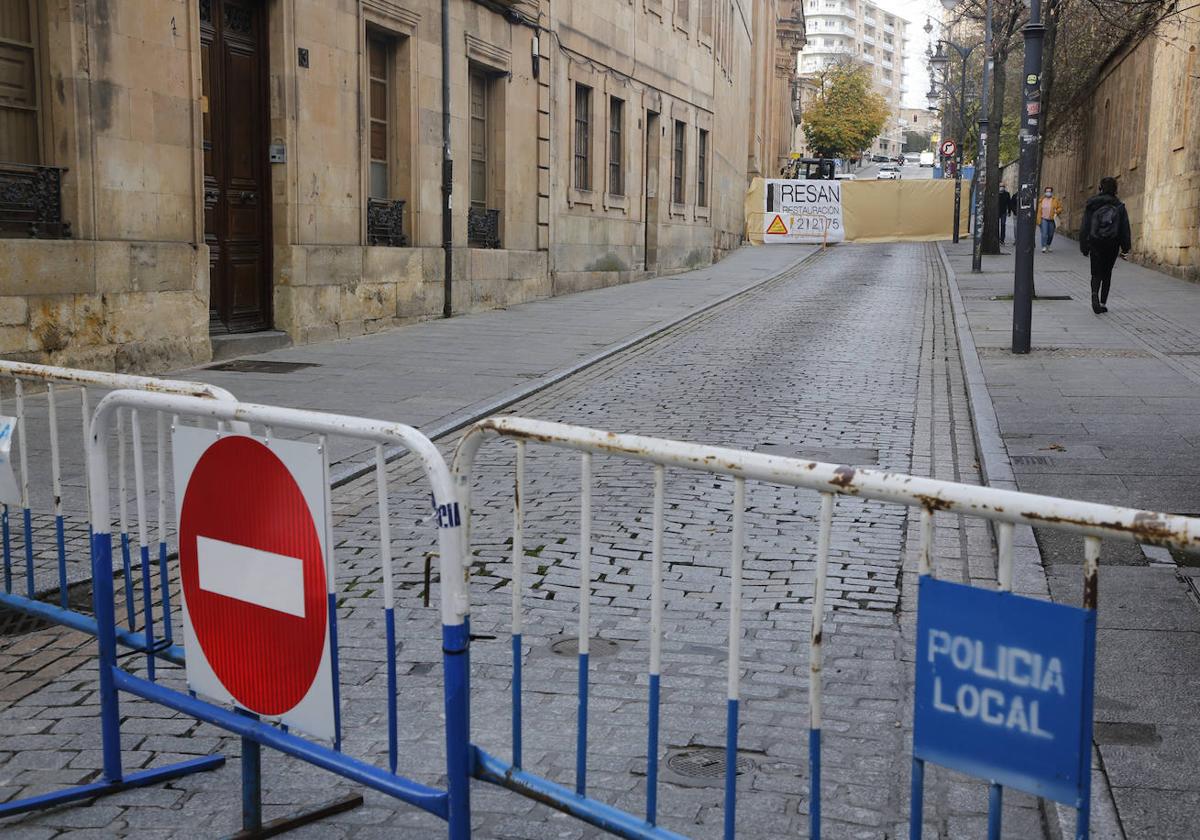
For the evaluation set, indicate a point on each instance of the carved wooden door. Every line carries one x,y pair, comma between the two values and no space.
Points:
236,176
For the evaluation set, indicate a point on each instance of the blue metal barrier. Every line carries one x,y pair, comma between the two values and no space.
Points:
451,804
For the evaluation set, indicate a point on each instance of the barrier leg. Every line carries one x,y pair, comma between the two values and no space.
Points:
165,583
652,754
917,804
251,783
127,569
61,541
731,746
29,587
814,783
995,803
148,609
7,549
457,689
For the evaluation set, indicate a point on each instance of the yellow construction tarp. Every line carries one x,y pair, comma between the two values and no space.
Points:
915,210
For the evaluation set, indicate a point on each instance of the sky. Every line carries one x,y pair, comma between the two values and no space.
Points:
915,12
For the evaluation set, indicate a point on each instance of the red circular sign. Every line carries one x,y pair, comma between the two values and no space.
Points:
242,494
949,147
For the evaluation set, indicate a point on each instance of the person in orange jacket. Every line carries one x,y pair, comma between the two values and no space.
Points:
1048,211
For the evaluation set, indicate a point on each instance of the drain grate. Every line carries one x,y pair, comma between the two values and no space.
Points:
703,766
1030,460
261,366
16,623
597,647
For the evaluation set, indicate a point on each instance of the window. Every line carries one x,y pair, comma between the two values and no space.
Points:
583,137
479,139
706,18
681,13
616,151
20,140
379,54
702,169
680,148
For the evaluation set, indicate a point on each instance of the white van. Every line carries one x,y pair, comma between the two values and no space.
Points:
926,158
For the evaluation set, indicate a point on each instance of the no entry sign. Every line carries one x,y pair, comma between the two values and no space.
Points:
252,561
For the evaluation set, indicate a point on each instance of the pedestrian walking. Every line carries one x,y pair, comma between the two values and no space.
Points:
1104,232
1003,207
1048,211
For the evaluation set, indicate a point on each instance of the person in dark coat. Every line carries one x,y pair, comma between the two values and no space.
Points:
1003,208
1104,233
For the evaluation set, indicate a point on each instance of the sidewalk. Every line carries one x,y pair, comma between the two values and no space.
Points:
440,375
1105,409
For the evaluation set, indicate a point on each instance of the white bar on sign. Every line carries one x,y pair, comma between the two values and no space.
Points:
272,581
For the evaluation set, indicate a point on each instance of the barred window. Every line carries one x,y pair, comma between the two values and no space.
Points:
616,141
702,169
583,137
680,149
479,139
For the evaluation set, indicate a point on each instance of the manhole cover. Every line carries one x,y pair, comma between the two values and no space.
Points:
569,646
704,766
261,366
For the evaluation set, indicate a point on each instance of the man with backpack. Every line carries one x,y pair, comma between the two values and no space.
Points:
1003,208
1104,232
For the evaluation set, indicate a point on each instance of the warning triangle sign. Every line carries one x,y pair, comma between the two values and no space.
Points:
777,226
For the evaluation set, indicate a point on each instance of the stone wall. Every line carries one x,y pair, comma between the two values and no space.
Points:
1141,125
119,110
123,111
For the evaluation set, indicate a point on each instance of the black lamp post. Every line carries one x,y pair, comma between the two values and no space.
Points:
939,61
1030,138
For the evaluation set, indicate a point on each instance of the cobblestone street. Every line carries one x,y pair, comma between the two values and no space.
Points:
850,358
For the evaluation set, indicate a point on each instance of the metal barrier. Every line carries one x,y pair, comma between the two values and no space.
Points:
115,675
68,561
1004,508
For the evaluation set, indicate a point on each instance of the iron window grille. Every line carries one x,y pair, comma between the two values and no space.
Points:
31,201
483,227
385,222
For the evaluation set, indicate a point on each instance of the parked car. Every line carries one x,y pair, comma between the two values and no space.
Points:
888,172
880,159
912,158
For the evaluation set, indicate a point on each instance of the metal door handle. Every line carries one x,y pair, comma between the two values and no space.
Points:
248,197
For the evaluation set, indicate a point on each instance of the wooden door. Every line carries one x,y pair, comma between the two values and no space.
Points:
236,176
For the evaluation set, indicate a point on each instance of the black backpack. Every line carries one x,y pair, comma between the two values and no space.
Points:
1106,223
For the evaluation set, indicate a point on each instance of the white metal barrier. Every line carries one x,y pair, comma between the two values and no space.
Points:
53,463
1002,507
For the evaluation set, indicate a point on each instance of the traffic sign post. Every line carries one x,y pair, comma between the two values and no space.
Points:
255,576
1004,689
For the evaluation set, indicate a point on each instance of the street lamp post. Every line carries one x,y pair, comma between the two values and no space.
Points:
940,61
1029,136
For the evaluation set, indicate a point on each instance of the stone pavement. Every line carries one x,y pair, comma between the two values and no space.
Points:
853,355
437,375
1105,409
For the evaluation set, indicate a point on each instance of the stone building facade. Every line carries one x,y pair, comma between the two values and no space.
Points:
1141,125
274,168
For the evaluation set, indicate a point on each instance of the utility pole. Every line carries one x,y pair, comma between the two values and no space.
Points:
1029,137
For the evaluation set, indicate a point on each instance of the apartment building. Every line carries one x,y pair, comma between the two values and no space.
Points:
184,177
857,30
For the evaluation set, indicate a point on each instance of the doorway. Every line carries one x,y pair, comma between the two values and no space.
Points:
233,57
653,149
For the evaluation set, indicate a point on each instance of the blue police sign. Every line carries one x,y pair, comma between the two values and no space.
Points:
1004,689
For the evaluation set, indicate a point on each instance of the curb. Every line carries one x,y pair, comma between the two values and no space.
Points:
451,423
1029,573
